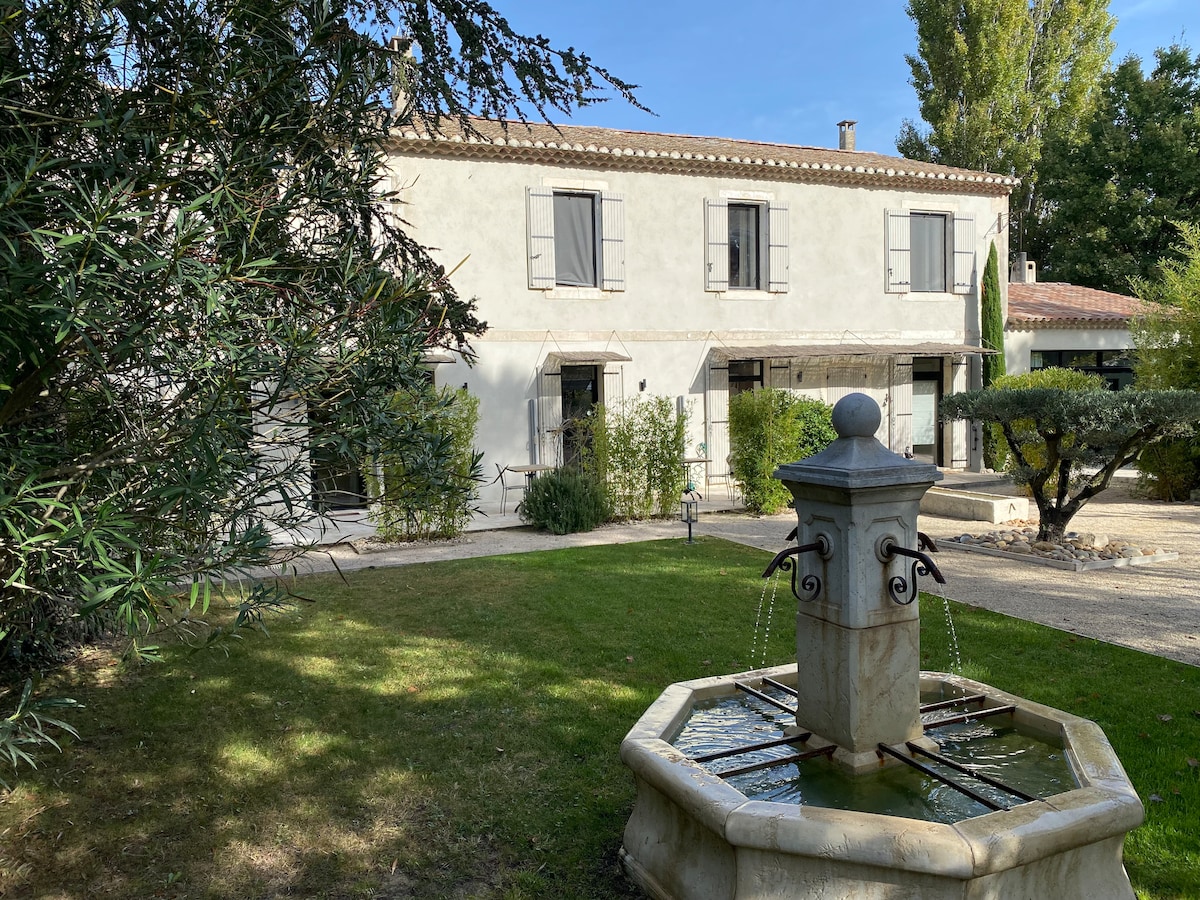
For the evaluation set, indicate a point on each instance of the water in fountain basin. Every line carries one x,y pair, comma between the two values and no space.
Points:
994,746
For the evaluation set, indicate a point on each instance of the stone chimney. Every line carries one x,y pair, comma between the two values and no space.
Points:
1024,270
401,74
846,134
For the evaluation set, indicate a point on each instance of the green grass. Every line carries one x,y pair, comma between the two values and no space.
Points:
451,730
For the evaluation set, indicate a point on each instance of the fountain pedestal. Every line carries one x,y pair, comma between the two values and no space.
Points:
857,649
693,836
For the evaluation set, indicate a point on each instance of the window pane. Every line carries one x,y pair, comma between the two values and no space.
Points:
743,245
1079,359
928,235
575,239
744,375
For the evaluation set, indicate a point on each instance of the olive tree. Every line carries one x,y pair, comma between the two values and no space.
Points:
1066,445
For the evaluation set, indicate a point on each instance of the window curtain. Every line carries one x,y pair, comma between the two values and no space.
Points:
743,246
928,233
575,239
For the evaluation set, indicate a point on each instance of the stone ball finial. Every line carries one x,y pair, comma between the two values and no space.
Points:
856,415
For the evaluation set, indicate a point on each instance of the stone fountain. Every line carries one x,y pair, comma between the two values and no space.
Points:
858,689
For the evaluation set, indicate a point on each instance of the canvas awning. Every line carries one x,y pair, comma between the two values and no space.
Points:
590,356
811,351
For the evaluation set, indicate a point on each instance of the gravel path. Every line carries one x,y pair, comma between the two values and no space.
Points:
1154,608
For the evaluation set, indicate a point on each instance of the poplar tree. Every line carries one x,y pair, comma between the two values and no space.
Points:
994,77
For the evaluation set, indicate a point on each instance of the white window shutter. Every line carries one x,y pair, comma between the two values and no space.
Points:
612,242
964,253
540,208
902,402
716,245
550,412
899,252
716,416
613,393
779,259
780,373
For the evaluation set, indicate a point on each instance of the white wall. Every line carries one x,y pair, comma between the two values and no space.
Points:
474,213
1018,345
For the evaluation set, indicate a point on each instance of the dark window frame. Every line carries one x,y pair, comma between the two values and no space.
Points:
745,381
1115,366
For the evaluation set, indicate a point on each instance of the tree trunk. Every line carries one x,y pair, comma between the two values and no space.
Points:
1053,525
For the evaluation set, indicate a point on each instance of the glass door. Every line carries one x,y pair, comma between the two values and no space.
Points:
926,395
580,392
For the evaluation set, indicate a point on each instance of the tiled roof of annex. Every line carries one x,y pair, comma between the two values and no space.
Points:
609,148
1060,305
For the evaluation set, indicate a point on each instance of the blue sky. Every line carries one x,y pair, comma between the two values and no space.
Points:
778,71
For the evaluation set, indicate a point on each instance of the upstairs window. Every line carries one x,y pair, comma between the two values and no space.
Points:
576,226
576,239
745,249
746,246
928,236
930,252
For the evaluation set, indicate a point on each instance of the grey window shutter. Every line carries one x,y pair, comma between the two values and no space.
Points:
899,252
540,204
716,245
612,242
964,253
779,259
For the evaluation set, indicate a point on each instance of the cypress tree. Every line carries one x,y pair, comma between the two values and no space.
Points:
991,329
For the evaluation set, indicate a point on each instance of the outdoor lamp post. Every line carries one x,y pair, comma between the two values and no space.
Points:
689,512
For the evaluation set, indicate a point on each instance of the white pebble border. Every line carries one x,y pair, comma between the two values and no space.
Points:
1077,551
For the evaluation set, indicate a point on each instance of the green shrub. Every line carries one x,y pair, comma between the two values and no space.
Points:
1025,429
637,450
564,502
1170,469
431,477
766,429
1053,377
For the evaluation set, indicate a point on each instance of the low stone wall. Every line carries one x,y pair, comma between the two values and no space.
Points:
973,505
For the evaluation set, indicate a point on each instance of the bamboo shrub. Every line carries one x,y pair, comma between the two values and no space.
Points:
637,450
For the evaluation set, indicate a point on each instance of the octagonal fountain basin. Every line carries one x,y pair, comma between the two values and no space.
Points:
789,821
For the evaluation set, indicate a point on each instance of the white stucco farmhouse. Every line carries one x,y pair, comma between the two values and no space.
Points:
611,263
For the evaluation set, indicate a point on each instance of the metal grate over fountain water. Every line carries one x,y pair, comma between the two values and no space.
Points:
855,692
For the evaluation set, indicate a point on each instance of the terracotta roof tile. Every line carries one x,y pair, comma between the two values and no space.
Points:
613,148
1060,305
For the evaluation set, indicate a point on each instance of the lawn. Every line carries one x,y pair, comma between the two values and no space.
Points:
451,730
